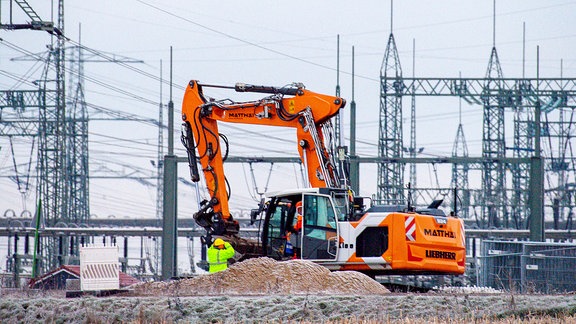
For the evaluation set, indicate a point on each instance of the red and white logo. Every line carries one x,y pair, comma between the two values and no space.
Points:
410,225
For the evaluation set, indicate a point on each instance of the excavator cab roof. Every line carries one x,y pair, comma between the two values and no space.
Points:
291,192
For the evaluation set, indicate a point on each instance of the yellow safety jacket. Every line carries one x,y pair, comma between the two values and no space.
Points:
218,258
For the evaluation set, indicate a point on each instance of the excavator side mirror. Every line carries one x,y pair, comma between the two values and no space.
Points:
255,212
253,215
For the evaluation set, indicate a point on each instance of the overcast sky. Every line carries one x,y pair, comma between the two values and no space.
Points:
272,43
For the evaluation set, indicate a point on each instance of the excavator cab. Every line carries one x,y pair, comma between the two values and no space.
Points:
338,233
316,238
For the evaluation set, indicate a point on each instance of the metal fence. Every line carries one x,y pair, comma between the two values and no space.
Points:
528,267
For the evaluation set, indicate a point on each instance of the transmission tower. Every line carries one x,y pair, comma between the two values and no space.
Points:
412,148
159,175
338,125
160,159
560,172
61,124
35,23
460,170
50,125
77,137
493,174
390,175
54,178
54,175
523,148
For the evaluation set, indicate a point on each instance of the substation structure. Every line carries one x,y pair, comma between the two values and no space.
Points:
59,126
540,162
543,183
55,117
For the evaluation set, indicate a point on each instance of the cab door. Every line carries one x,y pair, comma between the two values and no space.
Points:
319,228
274,229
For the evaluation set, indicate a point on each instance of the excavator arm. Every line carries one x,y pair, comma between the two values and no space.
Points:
293,106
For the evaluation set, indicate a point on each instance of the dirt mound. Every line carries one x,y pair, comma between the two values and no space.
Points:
261,276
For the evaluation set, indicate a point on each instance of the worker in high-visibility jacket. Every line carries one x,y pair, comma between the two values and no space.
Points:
218,255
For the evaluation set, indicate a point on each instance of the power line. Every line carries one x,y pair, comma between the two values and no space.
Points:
91,79
246,41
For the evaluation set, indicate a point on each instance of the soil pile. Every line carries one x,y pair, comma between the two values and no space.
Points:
264,276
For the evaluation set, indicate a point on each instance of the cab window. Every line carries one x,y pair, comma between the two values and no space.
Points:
318,211
342,205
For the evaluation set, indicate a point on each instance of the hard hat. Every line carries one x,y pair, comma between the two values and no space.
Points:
218,242
299,207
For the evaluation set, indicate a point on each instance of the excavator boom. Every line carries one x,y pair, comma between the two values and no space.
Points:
293,106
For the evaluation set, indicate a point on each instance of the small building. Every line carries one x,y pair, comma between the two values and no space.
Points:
56,279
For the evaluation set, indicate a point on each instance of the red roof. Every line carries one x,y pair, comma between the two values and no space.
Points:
74,270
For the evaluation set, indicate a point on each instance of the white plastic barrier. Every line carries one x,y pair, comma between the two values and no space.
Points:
99,268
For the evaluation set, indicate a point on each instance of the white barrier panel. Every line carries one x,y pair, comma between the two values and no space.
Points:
99,268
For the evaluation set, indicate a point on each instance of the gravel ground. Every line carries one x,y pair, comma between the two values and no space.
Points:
263,290
395,308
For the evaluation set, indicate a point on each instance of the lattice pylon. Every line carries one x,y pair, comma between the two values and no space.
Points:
494,211
390,175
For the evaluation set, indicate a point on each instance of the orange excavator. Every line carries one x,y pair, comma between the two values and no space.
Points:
337,230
